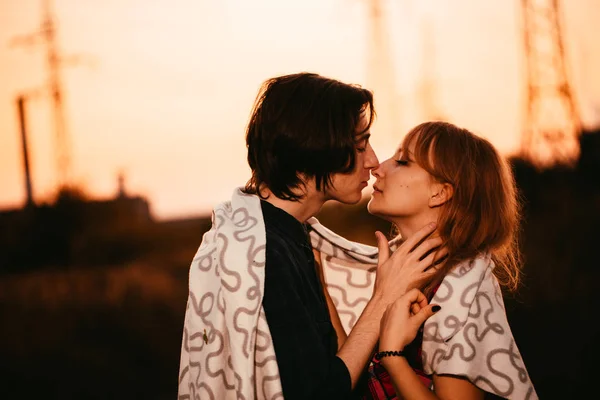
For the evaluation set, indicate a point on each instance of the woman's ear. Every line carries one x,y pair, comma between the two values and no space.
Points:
440,194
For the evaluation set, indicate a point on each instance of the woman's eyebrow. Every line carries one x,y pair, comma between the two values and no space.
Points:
404,153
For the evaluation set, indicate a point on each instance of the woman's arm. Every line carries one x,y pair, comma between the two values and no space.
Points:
333,314
447,387
399,327
456,387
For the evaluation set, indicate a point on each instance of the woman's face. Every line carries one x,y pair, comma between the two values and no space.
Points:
402,189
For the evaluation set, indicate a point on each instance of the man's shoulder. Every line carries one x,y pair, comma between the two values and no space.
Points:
279,243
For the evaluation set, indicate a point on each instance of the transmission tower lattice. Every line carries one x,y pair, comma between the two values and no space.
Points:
47,33
552,123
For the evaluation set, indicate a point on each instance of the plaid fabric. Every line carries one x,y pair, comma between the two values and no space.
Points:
379,382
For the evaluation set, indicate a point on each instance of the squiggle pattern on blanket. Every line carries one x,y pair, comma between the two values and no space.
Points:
350,292
227,351
474,340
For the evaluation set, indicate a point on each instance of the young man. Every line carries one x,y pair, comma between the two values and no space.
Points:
257,323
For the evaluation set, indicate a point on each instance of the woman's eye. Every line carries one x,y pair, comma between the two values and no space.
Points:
361,149
402,162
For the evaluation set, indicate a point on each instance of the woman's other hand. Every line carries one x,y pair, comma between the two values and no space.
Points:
403,318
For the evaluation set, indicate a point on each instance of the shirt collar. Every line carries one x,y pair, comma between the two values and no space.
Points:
284,222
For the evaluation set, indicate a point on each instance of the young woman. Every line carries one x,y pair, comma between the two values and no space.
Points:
465,350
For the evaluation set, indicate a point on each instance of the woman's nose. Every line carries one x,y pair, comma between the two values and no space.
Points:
379,172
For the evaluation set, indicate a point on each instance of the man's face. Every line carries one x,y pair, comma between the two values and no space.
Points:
347,188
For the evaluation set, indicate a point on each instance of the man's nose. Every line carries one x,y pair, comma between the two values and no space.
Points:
371,160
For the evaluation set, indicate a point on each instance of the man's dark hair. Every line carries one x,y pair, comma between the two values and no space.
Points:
304,124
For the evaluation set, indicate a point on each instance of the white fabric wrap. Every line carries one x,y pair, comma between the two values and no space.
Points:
236,359
470,336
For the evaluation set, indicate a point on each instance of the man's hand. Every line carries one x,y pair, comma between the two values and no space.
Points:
396,274
407,267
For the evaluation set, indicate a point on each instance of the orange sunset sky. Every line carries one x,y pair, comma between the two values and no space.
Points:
165,87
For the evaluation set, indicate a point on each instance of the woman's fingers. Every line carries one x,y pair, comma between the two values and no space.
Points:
402,319
415,308
423,303
414,296
418,300
425,313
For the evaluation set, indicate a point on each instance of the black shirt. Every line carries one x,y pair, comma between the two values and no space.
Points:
296,310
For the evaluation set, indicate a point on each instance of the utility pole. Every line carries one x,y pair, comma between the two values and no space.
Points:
552,122
22,123
54,60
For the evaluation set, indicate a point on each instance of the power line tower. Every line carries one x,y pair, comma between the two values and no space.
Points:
381,75
54,60
552,123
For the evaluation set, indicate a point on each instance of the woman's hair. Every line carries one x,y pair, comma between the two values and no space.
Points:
304,124
483,215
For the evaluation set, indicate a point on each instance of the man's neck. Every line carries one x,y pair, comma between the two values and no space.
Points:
303,209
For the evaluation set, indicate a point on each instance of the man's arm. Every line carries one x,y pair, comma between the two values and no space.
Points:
358,347
396,275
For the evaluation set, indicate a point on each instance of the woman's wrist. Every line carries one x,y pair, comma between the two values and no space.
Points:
389,353
396,357
384,345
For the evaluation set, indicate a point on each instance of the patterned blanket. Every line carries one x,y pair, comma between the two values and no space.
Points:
470,336
227,350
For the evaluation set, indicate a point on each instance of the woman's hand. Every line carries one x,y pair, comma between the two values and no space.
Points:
402,319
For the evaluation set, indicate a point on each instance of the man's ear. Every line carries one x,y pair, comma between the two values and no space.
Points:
440,194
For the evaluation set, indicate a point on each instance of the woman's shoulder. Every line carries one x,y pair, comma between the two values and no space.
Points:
461,291
470,336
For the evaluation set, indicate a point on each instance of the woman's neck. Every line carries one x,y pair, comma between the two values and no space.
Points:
407,226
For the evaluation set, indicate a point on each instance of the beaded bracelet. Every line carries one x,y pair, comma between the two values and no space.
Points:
382,354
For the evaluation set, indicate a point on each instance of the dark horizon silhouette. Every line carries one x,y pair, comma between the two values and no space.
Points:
93,291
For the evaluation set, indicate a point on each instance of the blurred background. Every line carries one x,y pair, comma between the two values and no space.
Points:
122,125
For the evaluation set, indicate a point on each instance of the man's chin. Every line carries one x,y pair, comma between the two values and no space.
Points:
351,200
